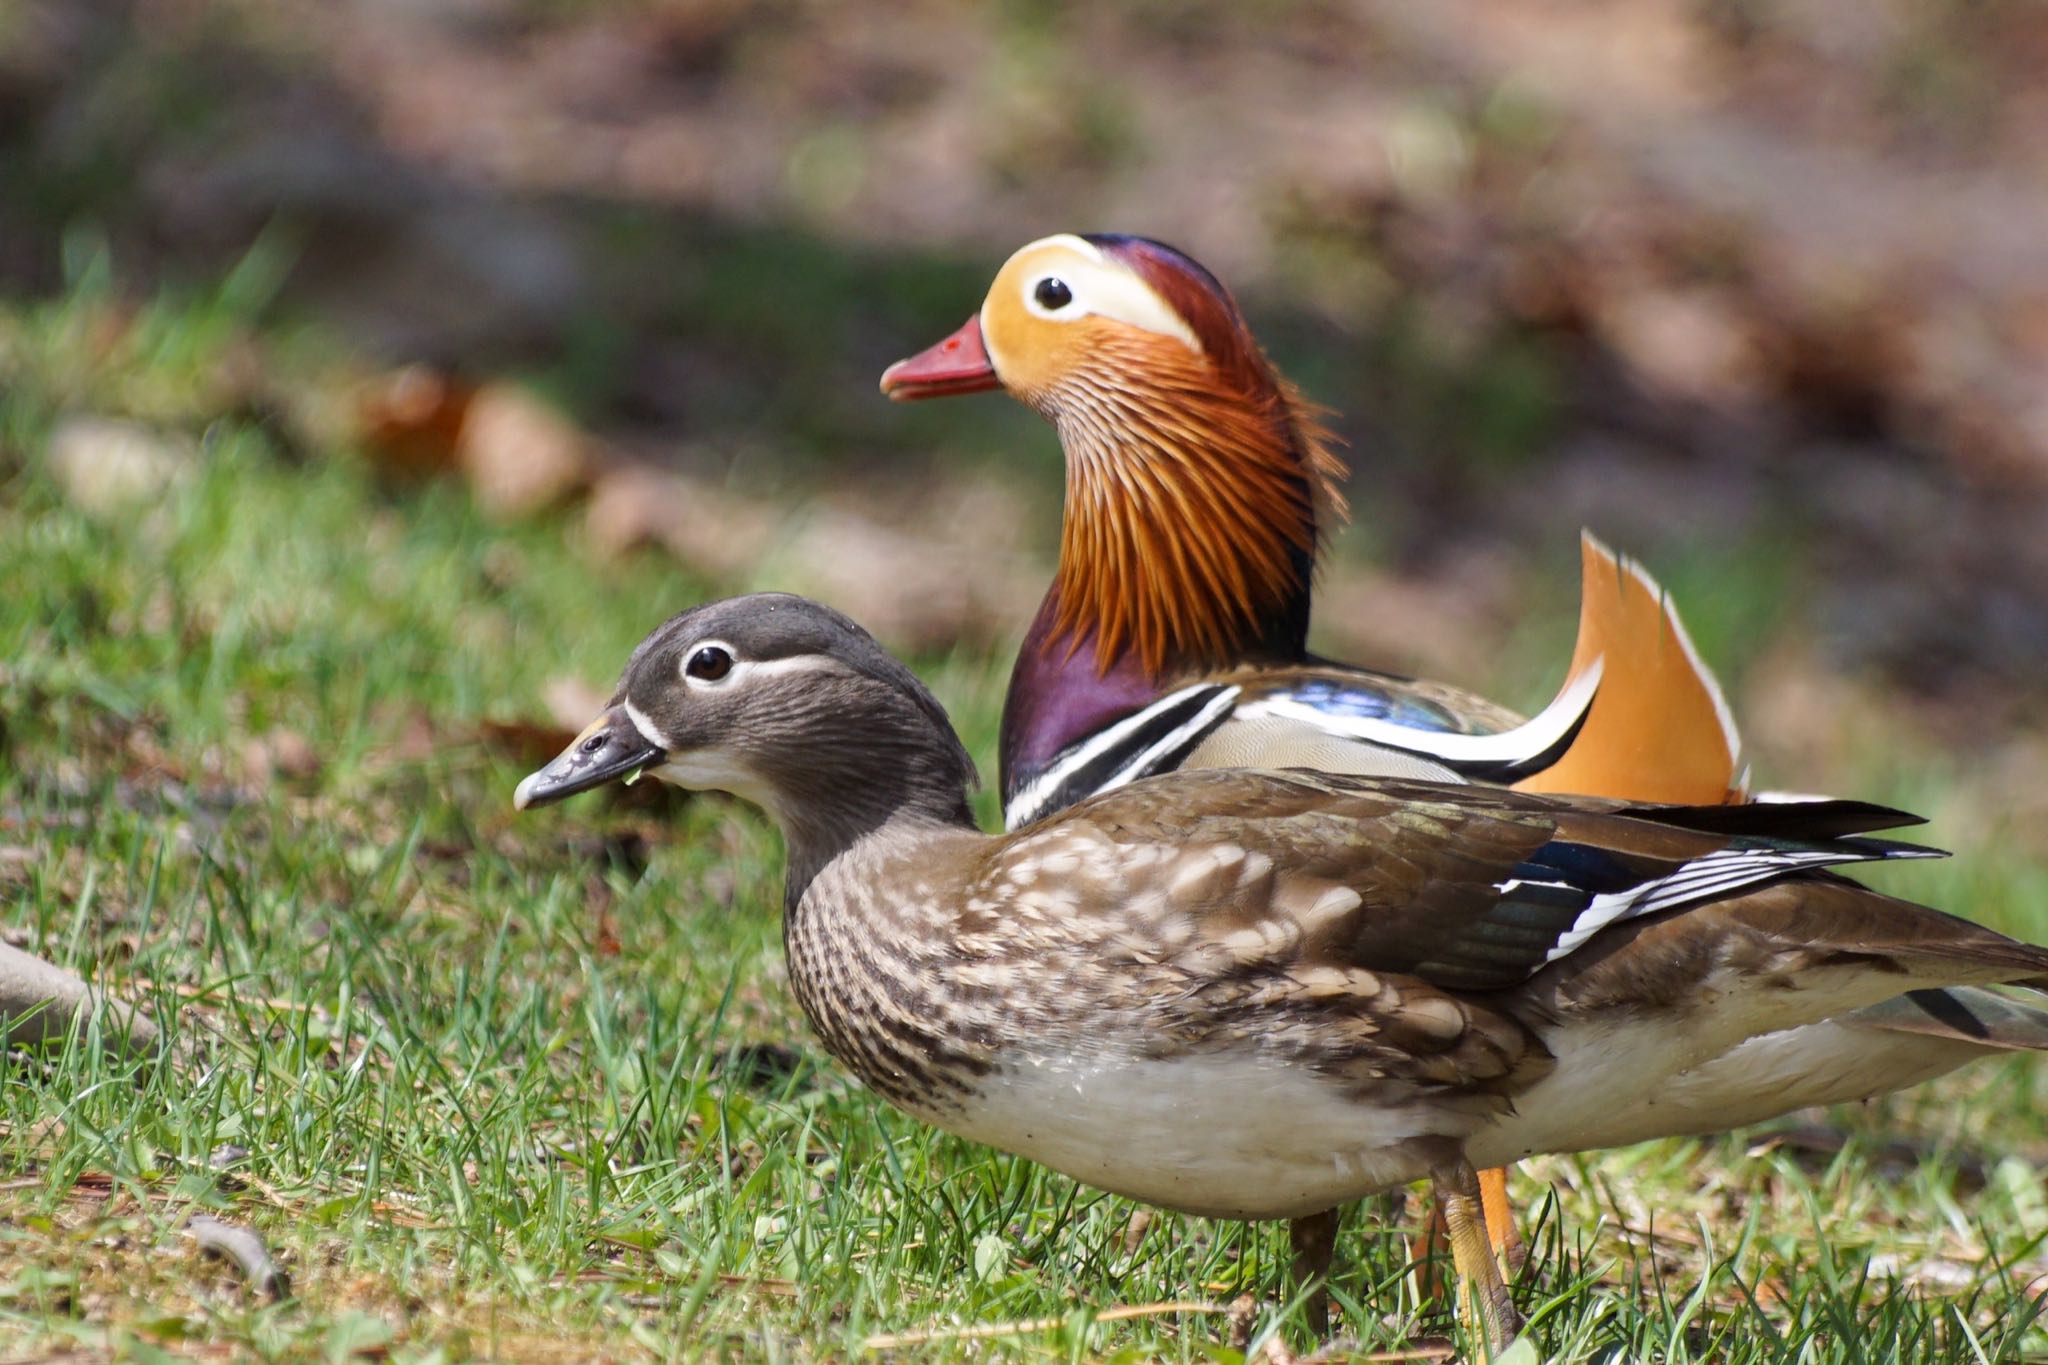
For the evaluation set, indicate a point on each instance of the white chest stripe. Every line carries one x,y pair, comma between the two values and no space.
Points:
1218,707
1031,801
1509,747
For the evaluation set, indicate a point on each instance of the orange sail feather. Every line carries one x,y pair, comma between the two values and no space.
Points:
1659,728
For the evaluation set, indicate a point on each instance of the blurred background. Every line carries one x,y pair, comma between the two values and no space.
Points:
375,373
1757,290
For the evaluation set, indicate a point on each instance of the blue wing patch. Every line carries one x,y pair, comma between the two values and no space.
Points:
1362,701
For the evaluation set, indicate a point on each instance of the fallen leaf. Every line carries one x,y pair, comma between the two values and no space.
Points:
412,419
520,454
280,752
714,532
530,743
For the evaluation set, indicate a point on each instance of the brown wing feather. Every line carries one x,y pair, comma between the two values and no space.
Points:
1783,933
1311,912
1296,868
1241,892
1379,874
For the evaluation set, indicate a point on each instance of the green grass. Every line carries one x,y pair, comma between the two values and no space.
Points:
535,1087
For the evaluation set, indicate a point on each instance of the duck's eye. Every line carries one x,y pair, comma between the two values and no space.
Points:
1052,294
709,664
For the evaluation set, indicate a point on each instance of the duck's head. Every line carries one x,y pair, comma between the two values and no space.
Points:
779,700
1071,313
1195,472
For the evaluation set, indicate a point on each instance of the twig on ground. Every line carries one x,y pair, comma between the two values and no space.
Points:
100,1185
39,1000
1680,1235
245,1249
1243,1310
218,995
764,1284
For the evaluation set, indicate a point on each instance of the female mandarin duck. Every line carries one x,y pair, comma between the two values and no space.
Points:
1259,994
1174,634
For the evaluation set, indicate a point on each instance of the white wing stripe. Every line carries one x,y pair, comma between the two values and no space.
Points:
1509,887
1711,875
1506,748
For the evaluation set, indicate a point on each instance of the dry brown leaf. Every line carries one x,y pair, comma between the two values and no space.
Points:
412,420
520,454
279,753
712,531
530,743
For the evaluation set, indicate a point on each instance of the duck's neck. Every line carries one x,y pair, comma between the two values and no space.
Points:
886,776
1187,546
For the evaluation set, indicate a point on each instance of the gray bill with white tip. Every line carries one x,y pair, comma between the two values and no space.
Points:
611,748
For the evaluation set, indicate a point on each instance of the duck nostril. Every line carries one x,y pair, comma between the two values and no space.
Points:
593,744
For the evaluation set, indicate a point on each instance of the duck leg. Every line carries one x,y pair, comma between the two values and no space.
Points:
1315,1245
1458,1195
1501,1232
1426,1245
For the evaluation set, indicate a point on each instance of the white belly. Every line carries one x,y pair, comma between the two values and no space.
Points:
1824,1063
1226,1136
1748,1050
1607,1088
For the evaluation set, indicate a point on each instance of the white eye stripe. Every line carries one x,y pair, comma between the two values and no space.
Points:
649,731
743,670
1067,241
1101,287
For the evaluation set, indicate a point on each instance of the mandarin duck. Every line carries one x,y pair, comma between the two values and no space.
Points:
1251,993
1174,632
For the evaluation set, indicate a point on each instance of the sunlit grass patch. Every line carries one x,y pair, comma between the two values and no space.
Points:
535,1087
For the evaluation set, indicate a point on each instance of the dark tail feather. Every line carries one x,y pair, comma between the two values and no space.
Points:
1967,1014
1814,820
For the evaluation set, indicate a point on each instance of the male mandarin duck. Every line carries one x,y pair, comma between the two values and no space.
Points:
1251,993
1174,632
